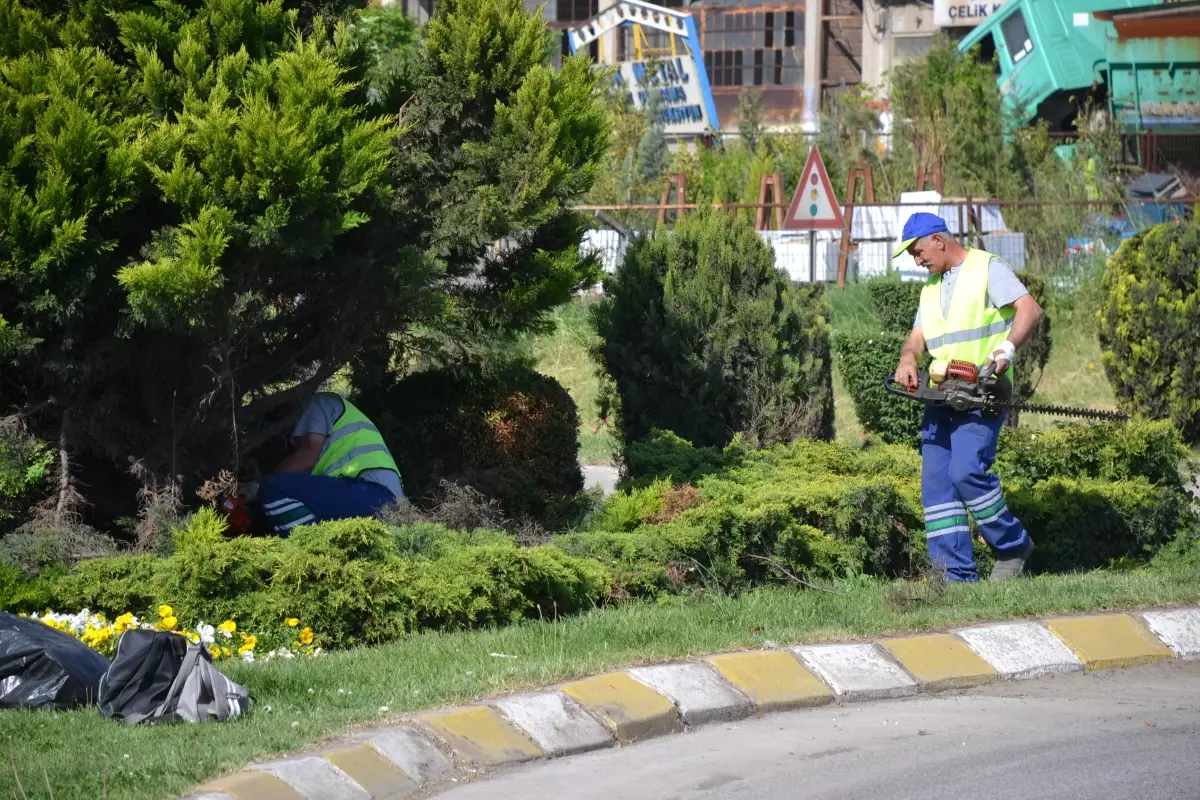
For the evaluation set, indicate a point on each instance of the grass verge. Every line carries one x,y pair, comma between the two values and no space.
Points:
301,703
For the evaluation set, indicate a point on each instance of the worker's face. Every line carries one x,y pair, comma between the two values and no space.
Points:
930,253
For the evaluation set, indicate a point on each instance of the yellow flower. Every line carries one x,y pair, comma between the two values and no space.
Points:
225,652
214,651
167,623
251,642
165,611
306,636
195,637
229,626
292,622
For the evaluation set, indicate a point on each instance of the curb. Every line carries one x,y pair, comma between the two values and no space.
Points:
639,703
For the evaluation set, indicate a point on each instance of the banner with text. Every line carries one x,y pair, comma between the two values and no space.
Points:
959,14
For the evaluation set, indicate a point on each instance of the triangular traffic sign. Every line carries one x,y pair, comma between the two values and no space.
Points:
814,205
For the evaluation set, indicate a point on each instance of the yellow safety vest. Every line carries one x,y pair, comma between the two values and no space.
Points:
972,330
354,445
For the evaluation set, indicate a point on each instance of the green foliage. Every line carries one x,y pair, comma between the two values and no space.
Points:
348,580
1112,452
652,149
1086,523
34,549
511,434
207,212
388,34
20,591
865,359
749,113
701,335
1090,494
665,455
814,508
25,464
1035,352
1148,324
896,302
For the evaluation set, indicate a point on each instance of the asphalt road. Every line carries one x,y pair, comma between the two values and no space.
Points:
1129,733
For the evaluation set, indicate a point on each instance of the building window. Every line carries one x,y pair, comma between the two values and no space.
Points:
576,10
1016,36
751,47
906,48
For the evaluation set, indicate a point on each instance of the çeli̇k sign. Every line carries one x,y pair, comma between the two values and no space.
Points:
963,13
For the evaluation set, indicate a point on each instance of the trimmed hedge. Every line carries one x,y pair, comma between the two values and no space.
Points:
1090,496
1148,323
512,435
348,580
865,360
896,302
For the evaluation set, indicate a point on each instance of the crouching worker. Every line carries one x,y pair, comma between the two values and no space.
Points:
972,309
338,468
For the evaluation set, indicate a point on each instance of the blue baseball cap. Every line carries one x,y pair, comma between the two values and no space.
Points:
920,224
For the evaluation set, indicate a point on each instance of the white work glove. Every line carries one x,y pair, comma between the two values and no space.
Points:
1002,356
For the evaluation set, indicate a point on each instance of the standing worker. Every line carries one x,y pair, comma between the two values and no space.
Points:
973,309
338,468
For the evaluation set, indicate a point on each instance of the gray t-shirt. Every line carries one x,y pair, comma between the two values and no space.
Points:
319,417
1004,288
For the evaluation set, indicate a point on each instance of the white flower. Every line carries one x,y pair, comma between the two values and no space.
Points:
226,634
248,656
206,633
384,709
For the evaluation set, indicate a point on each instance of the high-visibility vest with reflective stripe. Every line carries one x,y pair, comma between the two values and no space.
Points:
972,331
354,445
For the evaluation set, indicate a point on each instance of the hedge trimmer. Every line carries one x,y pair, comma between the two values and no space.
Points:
962,386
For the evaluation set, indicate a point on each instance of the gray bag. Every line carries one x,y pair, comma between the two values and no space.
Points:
162,677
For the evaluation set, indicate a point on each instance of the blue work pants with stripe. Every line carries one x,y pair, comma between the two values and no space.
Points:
957,451
291,499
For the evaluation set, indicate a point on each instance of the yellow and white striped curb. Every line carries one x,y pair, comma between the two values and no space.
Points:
644,702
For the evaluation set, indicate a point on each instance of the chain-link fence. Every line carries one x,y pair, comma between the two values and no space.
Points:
1059,239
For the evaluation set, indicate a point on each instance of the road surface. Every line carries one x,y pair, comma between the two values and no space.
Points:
1127,733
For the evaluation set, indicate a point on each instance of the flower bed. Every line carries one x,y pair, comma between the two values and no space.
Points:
223,640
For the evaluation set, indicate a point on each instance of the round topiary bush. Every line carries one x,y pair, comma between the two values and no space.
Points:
702,336
1149,320
512,434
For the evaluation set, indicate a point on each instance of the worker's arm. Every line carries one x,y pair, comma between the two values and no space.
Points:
1029,314
910,354
306,450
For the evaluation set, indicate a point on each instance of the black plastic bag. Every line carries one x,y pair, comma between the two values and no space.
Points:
41,667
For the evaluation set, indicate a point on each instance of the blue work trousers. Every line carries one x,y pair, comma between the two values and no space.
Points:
290,499
957,451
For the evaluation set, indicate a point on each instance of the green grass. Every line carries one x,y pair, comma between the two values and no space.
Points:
300,704
563,355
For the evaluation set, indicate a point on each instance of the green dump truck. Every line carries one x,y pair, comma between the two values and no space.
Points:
1140,59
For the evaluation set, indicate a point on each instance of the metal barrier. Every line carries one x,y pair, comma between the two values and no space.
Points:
1059,238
